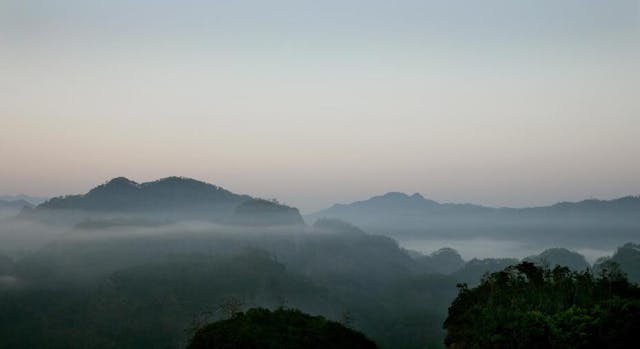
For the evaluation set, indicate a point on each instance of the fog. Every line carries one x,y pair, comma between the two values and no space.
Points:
479,117
157,272
19,237
190,268
493,248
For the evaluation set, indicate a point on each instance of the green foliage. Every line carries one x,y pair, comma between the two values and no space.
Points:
157,300
526,306
279,329
147,306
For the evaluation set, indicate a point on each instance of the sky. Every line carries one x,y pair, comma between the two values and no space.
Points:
503,103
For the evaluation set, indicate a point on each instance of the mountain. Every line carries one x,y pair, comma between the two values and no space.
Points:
14,204
626,258
474,270
168,199
120,194
398,213
33,200
395,203
259,212
444,261
172,198
627,204
559,257
329,225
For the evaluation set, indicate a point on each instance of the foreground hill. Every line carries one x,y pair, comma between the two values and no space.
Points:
290,329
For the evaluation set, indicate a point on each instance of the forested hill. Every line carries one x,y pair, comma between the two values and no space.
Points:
166,200
122,194
279,329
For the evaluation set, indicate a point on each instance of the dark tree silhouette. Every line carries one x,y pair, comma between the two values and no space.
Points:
526,306
260,328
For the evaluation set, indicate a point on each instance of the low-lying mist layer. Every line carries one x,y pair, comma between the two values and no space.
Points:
105,281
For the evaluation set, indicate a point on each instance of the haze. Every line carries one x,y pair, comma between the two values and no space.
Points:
504,103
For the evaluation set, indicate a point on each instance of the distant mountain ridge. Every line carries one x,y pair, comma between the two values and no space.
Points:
14,204
33,200
400,200
624,204
174,198
399,212
120,194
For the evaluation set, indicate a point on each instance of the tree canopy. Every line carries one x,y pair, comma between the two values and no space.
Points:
526,306
261,328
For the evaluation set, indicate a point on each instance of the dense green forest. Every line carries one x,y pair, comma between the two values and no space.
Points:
527,306
153,286
151,293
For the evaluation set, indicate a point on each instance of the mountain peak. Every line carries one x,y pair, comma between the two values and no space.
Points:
395,195
180,196
121,181
175,179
